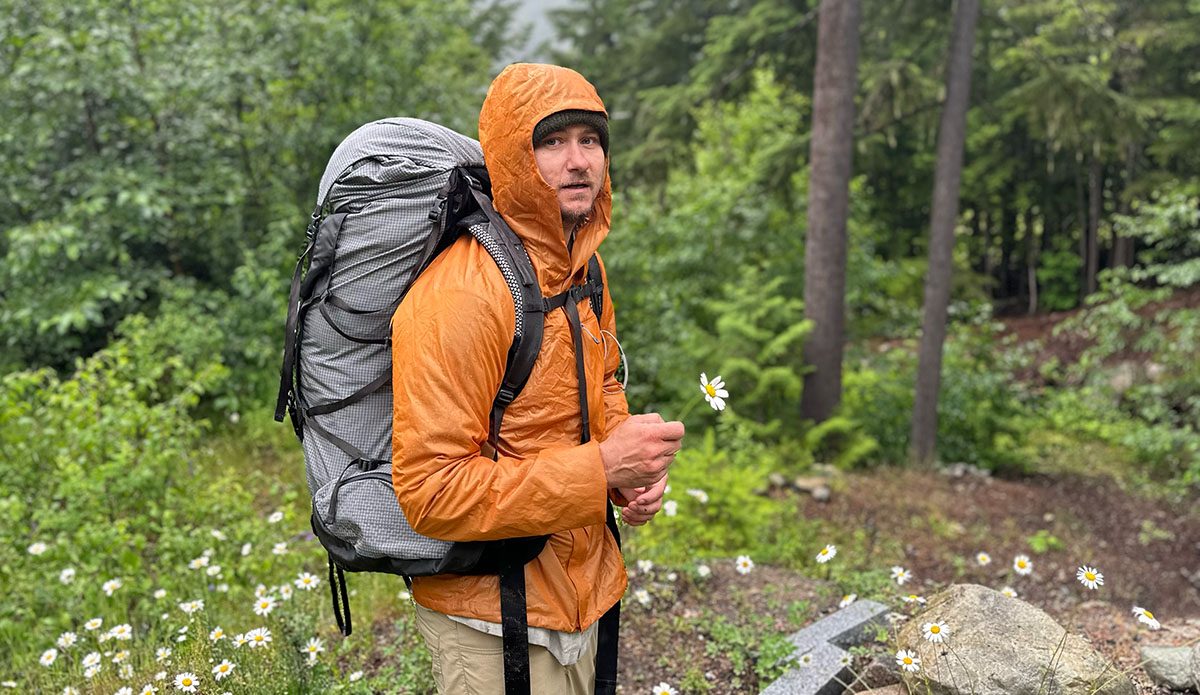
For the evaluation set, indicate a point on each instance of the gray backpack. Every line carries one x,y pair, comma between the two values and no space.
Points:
396,192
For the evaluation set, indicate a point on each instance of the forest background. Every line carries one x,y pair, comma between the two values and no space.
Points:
159,160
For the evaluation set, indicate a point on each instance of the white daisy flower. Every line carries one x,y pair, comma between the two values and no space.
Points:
260,591
125,671
48,657
1008,591
213,571
70,691
245,549
182,630
644,566
258,637
239,640
1022,565
186,682
355,676
37,548
714,392
983,559
218,534
403,595
306,581
913,598
847,600
744,564
162,653
827,553
110,586
935,632
223,588
279,548
148,689
67,640
699,494
217,634
1089,577
845,660
901,575
122,632
92,659
198,563
124,691
275,517
120,656
67,575
664,689
234,417
91,671
313,647
704,571
8,684
806,660
671,576
670,507
160,594
181,638
223,669
160,676
103,637
1145,616
285,592
190,607
642,596
908,660
264,605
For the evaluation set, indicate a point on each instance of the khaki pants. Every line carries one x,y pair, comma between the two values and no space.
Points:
469,662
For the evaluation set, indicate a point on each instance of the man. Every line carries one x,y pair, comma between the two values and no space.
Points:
544,133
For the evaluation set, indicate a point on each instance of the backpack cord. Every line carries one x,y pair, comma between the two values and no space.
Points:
343,625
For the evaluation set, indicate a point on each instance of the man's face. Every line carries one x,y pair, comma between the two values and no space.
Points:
571,160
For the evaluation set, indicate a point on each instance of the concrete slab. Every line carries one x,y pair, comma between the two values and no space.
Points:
820,651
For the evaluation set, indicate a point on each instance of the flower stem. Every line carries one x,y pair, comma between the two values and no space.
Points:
688,408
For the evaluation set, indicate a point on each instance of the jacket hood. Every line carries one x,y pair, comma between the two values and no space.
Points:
521,96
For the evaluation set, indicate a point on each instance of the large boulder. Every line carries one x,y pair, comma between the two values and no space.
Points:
998,645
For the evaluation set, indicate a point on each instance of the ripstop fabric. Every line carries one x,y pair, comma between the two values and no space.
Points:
452,334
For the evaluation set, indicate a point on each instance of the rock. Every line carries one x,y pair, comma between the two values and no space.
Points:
821,494
1171,666
821,660
889,690
776,480
881,672
810,483
998,645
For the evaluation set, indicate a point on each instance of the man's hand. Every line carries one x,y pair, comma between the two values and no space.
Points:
644,502
639,451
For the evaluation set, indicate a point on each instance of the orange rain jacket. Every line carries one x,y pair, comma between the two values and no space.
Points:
451,338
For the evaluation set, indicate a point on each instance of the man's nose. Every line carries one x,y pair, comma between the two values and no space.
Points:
576,159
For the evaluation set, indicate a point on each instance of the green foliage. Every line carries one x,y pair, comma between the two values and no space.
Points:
734,517
978,407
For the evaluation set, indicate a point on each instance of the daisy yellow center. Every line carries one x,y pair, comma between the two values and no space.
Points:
708,388
224,668
935,629
1021,564
907,660
1148,614
187,681
258,638
913,596
825,551
264,604
1090,576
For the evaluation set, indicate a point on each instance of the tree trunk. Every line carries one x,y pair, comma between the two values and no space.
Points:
1095,189
831,155
1031,254
1081,207
944,214
1122,245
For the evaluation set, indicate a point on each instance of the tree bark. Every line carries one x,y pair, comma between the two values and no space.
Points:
1095,186
1031,256
831,157
1081,206
944,215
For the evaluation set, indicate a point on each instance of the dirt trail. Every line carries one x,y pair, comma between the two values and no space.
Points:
1148,551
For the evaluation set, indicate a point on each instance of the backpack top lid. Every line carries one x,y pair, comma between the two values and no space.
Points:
403,148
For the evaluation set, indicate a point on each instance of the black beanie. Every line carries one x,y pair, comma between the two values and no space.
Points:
562,119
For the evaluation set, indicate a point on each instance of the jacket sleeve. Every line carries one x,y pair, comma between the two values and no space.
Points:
450,340
616,408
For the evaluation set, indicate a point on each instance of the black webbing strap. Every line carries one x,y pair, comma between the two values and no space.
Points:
376,384
337,581
585,434
289,340
610,630
353,338
514,627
